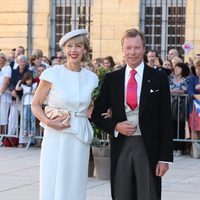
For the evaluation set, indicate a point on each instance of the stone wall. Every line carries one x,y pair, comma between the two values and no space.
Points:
110,20
193,26
42,25
14,25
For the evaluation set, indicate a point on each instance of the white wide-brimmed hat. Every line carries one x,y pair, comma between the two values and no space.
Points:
71,34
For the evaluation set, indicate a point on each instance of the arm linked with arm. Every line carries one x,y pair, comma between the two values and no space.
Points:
101,105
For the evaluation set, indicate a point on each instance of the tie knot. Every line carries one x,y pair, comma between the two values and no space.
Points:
133,72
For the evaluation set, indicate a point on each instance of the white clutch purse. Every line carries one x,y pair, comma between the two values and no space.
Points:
53,113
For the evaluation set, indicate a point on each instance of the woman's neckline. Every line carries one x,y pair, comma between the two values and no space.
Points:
70,69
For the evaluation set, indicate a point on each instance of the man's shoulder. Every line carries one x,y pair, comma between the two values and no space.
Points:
154,71
116,73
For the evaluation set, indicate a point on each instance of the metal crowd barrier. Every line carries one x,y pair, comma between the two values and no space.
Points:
15,124
17,131
38,130
182,106
11,128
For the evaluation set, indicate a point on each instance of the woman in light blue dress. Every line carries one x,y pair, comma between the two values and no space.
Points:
65,148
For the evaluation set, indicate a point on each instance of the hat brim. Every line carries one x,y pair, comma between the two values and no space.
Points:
70,35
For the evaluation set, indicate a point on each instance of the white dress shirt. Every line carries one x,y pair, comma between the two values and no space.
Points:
138,78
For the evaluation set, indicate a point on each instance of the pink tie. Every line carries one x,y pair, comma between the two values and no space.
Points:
131,94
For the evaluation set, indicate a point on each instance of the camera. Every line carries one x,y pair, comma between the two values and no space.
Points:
151,60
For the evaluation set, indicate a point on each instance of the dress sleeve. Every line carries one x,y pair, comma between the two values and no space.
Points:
47,75
96,81
7,72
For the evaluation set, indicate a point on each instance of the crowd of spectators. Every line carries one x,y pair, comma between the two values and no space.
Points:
20,75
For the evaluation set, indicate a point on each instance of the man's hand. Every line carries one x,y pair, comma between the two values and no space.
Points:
161,168
126,128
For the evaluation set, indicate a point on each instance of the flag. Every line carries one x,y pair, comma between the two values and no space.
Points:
187,47
197,105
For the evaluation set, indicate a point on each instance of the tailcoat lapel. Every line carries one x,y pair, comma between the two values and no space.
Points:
120,87
145,91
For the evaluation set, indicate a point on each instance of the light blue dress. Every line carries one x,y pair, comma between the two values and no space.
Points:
65,153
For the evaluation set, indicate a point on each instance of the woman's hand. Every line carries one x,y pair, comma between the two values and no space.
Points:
89,112
58,123
197,87
108,114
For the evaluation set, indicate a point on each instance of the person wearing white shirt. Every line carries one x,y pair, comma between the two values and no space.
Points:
140,125
28,87
5,95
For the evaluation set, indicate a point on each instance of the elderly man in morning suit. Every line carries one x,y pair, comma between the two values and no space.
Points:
140,125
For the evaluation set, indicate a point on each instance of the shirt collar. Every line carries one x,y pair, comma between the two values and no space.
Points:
139,69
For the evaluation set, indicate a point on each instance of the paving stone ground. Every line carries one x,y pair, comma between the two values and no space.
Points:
19,177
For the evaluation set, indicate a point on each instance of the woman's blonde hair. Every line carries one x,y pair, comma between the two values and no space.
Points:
3,55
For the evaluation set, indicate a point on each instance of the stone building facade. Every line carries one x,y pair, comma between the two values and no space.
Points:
33,23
